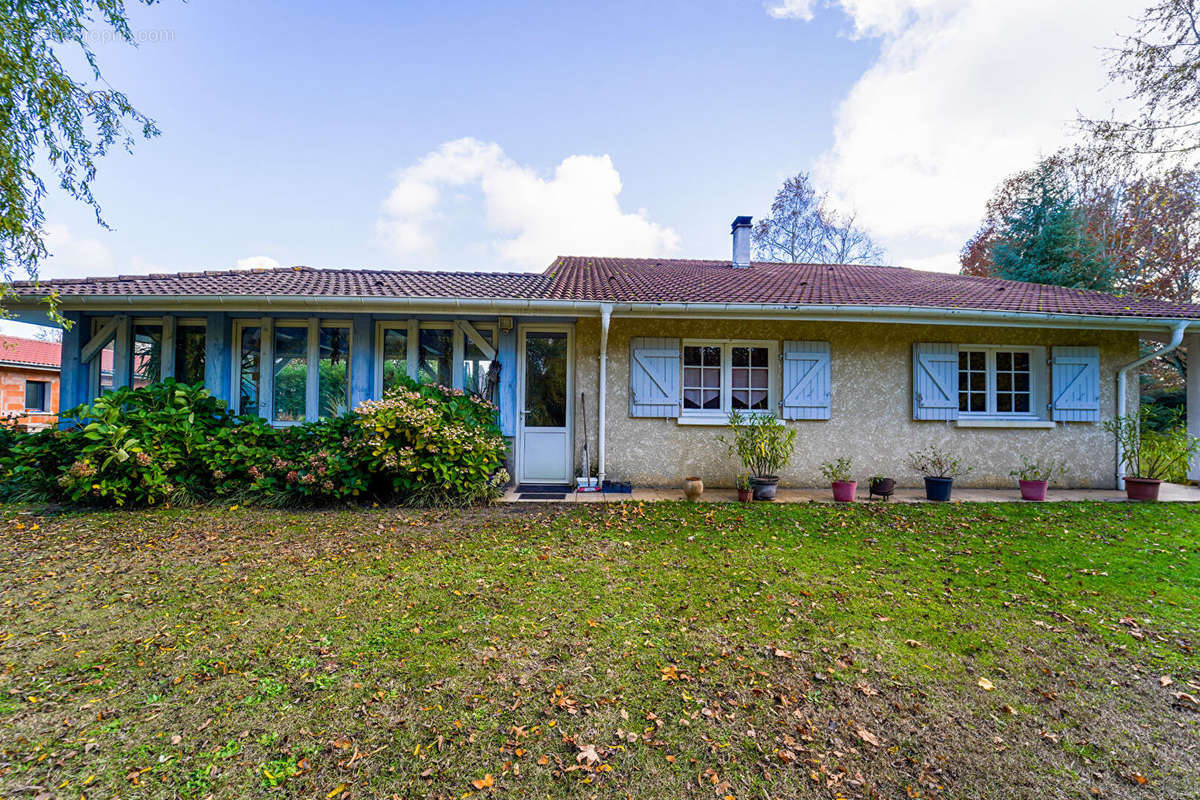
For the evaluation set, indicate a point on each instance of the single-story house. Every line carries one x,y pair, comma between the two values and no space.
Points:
867,362
29,381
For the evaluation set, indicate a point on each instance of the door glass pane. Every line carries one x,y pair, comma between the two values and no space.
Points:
435,359
147,354
249,371
395,356
290,370
189,354
476,365
334,372
545,380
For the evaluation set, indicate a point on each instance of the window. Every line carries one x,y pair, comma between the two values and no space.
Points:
333,365
249,343
289,373
999,381
190,353
147,354
432,352
37,395
722,376
309,375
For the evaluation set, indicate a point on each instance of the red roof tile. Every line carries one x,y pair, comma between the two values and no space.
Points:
647,280
16,350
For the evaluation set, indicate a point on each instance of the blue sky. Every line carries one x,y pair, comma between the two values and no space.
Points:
497,135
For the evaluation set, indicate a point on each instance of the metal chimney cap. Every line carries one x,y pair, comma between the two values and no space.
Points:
740,222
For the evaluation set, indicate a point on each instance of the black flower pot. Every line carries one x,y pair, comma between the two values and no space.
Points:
938,489
764,487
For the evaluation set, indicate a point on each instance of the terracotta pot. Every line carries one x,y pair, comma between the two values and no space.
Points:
843,491
764,487
938,489
745,495
1033,490
1142,488
693,488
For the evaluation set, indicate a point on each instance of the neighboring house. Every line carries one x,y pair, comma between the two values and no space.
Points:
29,381
865,362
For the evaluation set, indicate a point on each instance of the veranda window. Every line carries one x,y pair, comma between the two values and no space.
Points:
433,352
309,375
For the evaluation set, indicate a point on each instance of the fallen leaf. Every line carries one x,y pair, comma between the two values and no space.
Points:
1165,680
869,737
986,685
587,754
486,782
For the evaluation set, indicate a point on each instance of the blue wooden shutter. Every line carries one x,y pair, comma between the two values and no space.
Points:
806,384
935,380
653,377
1075,384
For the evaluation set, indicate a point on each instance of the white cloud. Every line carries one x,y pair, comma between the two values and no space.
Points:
528,219
792,9
74,256
963,93
257,262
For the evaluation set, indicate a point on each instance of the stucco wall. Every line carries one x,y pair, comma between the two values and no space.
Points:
871,419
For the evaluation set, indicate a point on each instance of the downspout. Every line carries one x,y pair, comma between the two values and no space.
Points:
1177,332
605,316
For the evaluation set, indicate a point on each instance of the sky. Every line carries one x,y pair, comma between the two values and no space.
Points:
495,136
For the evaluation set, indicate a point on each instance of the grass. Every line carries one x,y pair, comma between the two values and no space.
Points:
627,650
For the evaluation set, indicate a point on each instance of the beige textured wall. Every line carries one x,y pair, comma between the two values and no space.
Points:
871,419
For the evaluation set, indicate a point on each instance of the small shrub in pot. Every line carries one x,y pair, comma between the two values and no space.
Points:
939,469
763,445
1149,456
1034,476
837,472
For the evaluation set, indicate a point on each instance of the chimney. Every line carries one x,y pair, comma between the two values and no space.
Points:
741,242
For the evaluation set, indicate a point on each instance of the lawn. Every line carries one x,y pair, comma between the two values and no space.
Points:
667,650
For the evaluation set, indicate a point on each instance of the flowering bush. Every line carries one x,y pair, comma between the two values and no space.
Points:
422,445
433,445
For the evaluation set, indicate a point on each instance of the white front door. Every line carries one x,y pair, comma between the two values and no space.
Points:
544,424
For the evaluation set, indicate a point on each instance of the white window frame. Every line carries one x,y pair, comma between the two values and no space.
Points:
1037,382
722,416
414,328
266,372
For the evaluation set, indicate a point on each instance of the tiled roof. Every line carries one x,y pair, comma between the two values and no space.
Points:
15,350
646,280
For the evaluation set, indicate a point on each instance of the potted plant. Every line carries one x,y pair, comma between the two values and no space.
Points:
940,468
883,487
838,473
1149,456
764,446
1034,477
744,488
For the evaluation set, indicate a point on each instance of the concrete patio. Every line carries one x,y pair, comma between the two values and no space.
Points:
1170,492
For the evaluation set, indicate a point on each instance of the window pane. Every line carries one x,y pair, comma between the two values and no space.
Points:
1004,403
476,364
978,403
189,354
249,373
35,395
691,356
1021,361
702,377
333,372
545,380
978,382
978,360
1003,361
147,354
758,400
290,371
740,399
395,356
739,356
758,357
435,358
105,360
712,399
712,356
1003,381
1021,403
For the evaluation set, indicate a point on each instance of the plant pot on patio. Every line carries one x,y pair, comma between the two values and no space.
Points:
882,487
692,488
938,489
745,495
843,491
1144,489
764,487
1034,491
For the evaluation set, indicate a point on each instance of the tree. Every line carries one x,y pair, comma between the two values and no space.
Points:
1160,63
1045,239
70,121
804,229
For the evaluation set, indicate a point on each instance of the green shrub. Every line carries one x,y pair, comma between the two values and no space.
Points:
430,445
169,442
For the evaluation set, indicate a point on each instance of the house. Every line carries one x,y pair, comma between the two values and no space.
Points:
29,381
867,362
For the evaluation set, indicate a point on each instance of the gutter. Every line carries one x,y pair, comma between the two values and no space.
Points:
594,308
605,316
1177,331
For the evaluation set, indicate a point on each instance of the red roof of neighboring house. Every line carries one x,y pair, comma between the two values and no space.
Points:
645,280
36,353
16,350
